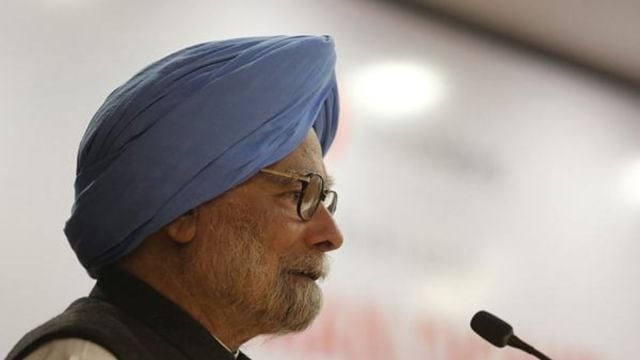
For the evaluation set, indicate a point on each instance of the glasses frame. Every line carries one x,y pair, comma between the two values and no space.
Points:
306,180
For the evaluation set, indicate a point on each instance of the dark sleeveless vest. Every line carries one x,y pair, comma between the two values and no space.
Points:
130,319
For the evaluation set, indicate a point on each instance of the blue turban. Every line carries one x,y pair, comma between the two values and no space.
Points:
189,127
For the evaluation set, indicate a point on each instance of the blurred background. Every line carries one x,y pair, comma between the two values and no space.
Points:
488,158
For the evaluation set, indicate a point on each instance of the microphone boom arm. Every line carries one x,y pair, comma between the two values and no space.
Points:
515,342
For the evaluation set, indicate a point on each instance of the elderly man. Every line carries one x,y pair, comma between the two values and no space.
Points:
203,206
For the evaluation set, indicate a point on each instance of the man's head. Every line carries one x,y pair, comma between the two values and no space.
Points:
189,174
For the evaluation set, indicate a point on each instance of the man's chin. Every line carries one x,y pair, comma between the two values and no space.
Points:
305,303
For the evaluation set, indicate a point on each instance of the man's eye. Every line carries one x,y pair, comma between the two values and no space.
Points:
293,195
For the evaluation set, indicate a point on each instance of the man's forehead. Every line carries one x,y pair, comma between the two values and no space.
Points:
307,156
305,159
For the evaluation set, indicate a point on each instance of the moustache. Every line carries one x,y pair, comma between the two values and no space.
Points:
312,266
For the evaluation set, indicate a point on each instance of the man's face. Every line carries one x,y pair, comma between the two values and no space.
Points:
255,255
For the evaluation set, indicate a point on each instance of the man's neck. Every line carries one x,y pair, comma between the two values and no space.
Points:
227,325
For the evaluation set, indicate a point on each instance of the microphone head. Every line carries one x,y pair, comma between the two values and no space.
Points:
491,328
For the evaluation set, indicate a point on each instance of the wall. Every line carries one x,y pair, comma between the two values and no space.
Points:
490,179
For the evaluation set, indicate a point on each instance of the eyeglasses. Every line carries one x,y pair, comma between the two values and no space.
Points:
311,194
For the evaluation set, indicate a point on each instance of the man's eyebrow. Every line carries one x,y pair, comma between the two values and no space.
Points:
280,180
287,181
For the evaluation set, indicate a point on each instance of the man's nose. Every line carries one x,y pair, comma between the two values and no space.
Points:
325,234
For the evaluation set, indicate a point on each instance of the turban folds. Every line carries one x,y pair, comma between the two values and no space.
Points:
191,126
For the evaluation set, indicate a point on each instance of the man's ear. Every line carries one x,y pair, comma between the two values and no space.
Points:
183,229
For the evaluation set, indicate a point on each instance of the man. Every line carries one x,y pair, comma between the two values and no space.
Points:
203,206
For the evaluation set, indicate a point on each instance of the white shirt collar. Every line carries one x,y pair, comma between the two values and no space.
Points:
235,354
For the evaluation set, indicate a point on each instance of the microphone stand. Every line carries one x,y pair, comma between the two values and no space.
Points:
515,342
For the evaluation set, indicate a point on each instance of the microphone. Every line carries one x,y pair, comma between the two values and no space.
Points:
500,334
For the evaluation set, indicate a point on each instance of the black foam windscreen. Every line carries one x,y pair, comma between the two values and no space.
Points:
491,328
